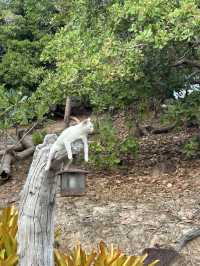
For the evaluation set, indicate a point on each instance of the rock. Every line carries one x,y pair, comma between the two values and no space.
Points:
169,185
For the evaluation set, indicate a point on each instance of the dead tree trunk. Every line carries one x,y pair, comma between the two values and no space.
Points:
67,111
36,210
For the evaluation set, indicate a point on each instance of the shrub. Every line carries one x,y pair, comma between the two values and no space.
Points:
103,257
129,146
191,147
107,150
38,137
184,111
8,231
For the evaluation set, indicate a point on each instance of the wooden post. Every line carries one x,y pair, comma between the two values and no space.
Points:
36,211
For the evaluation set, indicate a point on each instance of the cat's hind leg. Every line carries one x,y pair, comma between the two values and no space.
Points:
68,149
85,148
68,164
69,153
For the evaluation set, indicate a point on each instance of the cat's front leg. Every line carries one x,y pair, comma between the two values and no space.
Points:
68,149
85,148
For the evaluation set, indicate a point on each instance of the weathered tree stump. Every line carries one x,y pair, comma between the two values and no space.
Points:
36,210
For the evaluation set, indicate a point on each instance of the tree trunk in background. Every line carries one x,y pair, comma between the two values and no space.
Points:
67,112
37,206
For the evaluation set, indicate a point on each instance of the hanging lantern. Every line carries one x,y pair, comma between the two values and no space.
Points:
72,182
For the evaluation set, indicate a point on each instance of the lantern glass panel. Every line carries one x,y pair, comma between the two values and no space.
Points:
76,182
72,183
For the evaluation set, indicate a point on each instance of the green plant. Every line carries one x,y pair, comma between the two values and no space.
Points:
8,242
107,149
184,111
103,257
191,147
38,137
130,146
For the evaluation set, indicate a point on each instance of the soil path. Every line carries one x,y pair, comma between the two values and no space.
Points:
133,208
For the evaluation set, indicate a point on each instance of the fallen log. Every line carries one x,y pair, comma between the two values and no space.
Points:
18,147
27,141
24,142
5,172
75,119
159,130
24,154
29,148
163,130
26,148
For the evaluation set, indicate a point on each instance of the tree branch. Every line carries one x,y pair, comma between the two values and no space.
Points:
185,61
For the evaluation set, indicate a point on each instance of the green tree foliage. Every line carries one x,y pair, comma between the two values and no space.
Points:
116,52
26,26
112,53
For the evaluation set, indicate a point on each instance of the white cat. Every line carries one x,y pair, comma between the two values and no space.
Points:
69,135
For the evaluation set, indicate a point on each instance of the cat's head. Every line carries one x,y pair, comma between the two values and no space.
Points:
88,125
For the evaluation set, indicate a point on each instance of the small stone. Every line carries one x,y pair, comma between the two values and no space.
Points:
169,185
185,185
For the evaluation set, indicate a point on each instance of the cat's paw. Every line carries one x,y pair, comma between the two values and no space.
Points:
86,160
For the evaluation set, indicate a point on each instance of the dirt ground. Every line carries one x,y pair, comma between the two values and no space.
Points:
153,200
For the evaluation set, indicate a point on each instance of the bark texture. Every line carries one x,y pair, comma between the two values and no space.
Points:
37,205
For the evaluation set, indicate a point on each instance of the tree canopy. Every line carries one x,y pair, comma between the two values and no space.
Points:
111,53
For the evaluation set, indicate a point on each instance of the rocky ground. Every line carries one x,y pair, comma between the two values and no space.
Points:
153,200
